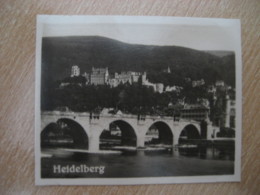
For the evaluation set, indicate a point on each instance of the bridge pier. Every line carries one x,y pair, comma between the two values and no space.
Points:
140,141
94,143
175,140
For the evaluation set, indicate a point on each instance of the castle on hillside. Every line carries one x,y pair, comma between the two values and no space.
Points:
101,76
197,111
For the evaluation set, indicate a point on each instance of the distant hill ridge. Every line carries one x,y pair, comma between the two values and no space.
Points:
60,53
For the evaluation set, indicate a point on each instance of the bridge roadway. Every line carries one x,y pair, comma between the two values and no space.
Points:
94,124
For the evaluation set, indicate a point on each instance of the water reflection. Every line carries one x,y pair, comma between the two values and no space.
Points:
213,152
189,160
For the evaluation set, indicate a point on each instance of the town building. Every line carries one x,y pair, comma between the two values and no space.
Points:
195,112
212,89
230,113
99,76
198,83
75,71
203,101
168,70
173,88
220,83
170,88
64,84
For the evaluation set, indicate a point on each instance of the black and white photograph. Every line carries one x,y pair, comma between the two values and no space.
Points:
137,100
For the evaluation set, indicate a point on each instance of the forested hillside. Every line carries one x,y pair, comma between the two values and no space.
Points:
60,53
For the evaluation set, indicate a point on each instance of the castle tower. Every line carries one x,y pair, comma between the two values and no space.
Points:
144,78
75,71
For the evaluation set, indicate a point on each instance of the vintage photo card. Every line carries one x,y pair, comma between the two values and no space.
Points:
137,100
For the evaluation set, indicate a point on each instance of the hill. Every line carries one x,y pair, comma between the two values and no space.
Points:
60,53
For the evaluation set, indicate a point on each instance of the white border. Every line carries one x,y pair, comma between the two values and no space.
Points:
54,19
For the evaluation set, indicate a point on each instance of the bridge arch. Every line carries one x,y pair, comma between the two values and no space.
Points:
118,132
189,134
159,133
65,132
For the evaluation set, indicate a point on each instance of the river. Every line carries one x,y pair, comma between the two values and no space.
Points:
139,163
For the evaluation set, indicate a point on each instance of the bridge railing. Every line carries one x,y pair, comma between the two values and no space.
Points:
97,116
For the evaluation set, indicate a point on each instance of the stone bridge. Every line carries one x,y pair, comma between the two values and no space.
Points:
94,125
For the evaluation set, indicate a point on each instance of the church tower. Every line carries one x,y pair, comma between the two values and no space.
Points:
168,70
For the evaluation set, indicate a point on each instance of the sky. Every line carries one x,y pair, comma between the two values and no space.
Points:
196,33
